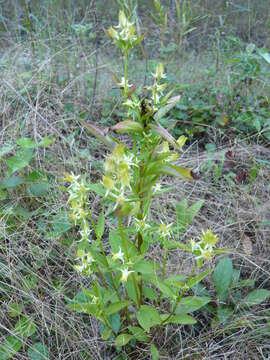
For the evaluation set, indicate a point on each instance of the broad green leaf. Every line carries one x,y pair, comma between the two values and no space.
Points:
181,319
131,291
224,313
148,317
5,149
154,352
165,289
26,143
11,182
106,334
149,293
192,303
3,194
20,160
123,339
14,309
198,278
146,267
222,276
96,188
39,189
115,321
138,333
256,297
100,226
61,223
45,142
176,281
9,347
116,307
165,109
25,327
38,351
115,241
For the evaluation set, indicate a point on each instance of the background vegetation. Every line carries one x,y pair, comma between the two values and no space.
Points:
55,61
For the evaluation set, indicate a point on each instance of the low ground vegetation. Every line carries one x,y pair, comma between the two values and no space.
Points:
60,75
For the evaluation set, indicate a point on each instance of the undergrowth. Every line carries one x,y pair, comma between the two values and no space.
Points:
48,67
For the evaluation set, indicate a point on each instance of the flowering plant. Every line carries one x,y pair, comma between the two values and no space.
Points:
132,294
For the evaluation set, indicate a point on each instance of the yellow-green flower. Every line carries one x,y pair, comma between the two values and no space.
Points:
118,256
181,141
125,274
209,238
165,230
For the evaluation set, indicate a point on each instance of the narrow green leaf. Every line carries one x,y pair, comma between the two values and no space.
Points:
87,308
198,278
163,133
98,133
116,307
193,211
165,109
127,126
14,309
177,171
181,319
100,226
154,352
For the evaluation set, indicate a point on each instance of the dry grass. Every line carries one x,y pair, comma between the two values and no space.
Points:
34,94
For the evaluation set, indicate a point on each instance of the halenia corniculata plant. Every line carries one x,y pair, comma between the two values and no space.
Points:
130,294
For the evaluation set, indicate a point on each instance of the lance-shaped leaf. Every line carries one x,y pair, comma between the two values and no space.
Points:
175,170
163,133
98,133
127,126
165,109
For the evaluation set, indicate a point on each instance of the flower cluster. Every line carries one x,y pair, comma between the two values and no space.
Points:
118,174
86,262
124,34
204,249
158,88
77,200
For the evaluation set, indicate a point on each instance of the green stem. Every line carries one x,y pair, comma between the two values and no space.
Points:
103,253
165,262
179,298
126,64
127,258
